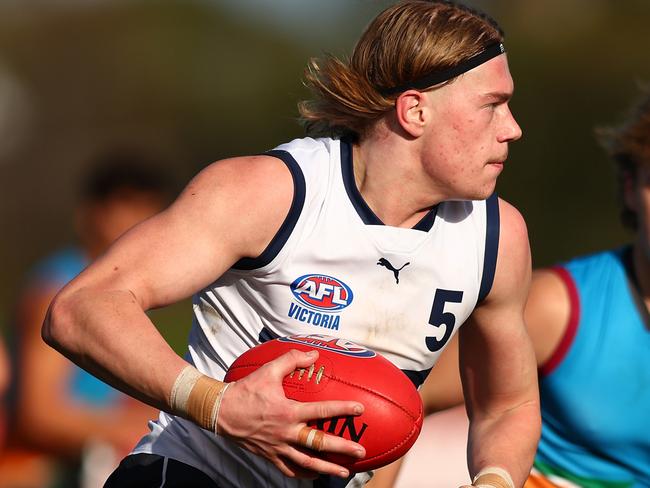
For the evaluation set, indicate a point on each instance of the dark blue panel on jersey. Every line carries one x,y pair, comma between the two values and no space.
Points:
266,335
365,212
417,377
427,221
491,246
347,170
280,239
331,482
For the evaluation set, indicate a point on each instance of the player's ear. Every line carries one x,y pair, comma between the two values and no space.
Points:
411,112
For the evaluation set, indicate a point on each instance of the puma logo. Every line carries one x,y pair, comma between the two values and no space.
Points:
386,264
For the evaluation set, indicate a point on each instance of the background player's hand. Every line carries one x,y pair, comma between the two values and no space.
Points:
257,415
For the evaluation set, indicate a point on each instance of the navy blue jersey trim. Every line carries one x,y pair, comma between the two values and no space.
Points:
266,335
365,212
491,245
347,170
326,481
417,377
280,239
427,221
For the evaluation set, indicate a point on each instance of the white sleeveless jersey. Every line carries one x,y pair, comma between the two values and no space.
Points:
334,269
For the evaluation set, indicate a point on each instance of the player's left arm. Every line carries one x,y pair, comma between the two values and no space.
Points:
498,366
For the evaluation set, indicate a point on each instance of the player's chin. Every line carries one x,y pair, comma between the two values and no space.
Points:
484,192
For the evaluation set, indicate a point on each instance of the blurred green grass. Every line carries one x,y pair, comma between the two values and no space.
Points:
174,323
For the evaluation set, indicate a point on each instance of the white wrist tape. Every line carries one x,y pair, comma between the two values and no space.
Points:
197,397
493,477
217,407
182,388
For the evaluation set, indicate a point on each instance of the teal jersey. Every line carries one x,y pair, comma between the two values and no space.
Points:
595,390
56,271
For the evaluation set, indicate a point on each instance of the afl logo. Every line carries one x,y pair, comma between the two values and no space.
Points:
322,292
333,344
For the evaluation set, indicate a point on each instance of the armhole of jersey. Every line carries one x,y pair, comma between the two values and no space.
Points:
280,239
492,227
417,377
572,327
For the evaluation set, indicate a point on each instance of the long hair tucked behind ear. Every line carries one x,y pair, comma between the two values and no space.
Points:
628,144
403,43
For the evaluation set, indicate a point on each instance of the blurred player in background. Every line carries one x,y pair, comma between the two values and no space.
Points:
60,411
589,322
421,129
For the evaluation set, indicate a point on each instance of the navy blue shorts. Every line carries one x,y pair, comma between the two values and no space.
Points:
153,471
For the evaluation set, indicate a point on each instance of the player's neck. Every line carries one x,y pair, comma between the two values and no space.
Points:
391,182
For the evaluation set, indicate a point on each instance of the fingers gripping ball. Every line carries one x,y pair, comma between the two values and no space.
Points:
392,419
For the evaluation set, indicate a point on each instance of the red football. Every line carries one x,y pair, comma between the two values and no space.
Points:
392,417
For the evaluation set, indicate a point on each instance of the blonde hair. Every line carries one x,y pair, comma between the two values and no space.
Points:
628,144
403,43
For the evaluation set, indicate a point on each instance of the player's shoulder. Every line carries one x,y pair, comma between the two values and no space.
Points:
236,184
514,247
245,199
513,224
314,147
242,170
278,166
513,264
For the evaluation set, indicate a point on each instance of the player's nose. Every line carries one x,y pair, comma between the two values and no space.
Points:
511,129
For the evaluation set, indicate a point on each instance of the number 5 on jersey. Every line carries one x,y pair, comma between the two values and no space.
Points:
439,317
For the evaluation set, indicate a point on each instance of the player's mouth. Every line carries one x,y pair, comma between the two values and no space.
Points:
496,164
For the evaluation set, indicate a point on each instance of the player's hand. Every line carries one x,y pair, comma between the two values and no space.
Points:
257,415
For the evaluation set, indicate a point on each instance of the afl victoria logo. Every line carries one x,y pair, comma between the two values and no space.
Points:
333,344
322,292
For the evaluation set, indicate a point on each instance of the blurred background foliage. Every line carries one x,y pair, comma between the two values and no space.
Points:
192,81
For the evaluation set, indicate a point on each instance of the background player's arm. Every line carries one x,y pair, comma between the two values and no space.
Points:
547,313
497,363
232,209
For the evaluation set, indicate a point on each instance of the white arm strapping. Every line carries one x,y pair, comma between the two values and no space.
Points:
182,388
493,477
197,397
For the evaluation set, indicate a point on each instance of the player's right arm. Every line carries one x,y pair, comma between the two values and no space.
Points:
546,316
498,367
230,210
